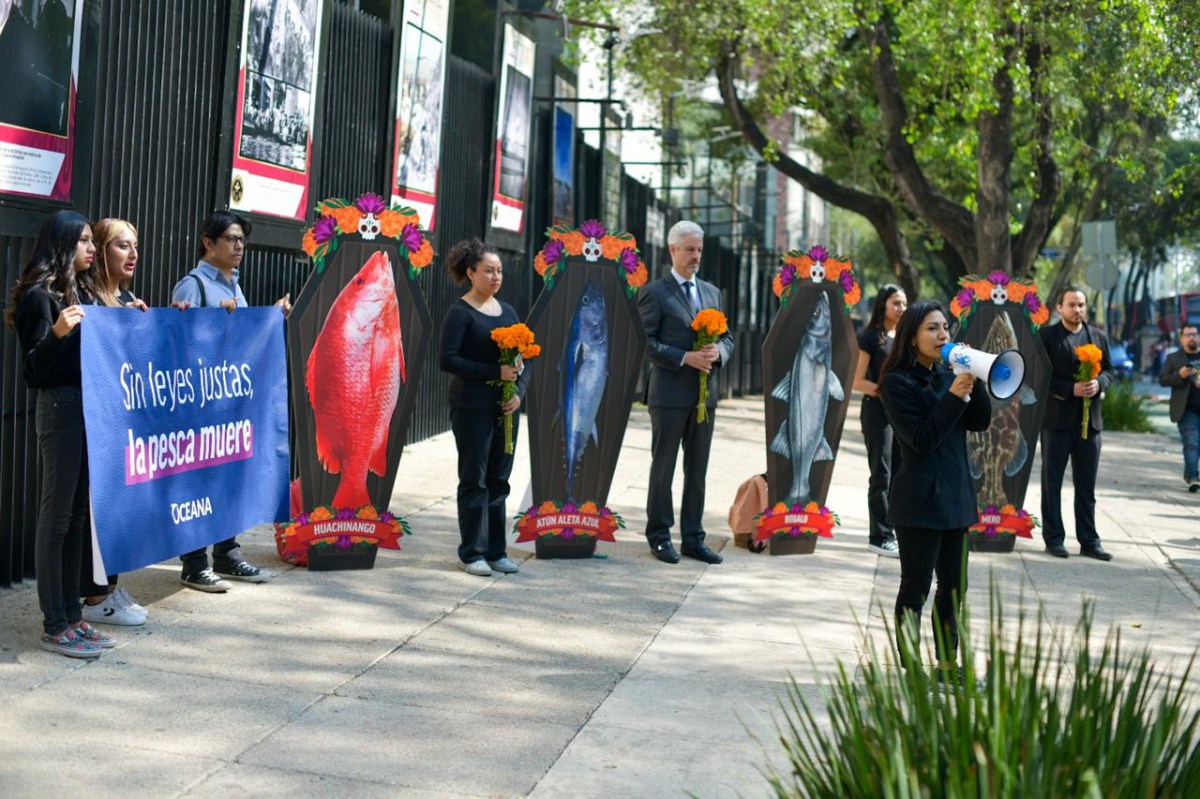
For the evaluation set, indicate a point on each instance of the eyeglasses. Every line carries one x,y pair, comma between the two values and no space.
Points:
235,240
1193,334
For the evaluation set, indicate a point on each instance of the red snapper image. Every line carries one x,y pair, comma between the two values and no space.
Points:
353,378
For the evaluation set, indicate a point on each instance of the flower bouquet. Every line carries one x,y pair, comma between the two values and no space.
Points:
710,325
516,345
1089,356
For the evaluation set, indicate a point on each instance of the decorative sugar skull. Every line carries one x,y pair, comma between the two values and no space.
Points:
592,250
999,294
818,271
368,227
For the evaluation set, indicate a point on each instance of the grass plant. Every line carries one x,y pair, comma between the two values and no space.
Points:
1125,409
1048,718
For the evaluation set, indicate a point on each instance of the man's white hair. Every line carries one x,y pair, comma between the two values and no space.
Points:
683,228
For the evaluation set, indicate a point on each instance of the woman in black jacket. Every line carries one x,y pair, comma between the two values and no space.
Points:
473,360
932,500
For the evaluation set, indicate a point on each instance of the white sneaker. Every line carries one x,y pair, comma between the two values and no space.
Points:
478,568
504,566
113,611
128,601
888,549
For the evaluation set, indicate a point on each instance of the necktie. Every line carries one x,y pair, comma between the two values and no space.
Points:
690,290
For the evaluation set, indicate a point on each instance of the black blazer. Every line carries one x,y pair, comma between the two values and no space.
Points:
932,488
1179,387
473,359
1064,411
667,318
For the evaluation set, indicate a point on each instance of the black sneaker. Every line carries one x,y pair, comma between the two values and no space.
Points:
243,571
205,581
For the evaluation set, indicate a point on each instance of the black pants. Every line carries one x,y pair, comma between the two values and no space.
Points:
882,457
924,553
1059,446
483,471
225,554
62,506
670,429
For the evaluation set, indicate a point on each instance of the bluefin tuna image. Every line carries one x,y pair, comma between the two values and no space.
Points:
583,374
1000,451
353,377
807,389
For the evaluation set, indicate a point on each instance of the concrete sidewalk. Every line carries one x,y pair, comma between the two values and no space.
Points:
619,676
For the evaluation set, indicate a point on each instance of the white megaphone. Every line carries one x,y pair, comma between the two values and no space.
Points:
1002,373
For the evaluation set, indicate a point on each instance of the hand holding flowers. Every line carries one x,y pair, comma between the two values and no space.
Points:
710,324
1089,356
516,345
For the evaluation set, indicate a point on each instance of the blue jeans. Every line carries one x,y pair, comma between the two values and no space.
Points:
1189,432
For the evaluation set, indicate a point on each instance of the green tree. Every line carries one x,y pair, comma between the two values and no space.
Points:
971,126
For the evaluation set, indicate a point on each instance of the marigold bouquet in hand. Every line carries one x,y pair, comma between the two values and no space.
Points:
710,324
516,345
1089,356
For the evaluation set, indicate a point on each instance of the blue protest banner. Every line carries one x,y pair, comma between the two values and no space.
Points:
187,428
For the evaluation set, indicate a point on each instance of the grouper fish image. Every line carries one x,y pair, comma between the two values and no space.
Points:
807,389
353,378
583,374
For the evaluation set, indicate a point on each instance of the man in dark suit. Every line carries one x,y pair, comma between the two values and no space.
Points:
668,307
1062,427
1179,372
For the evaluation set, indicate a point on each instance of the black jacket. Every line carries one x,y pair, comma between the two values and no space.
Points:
1179,387
1064,411
932,488
667,317
472,358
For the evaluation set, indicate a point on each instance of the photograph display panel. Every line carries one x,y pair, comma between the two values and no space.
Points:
39,62
512,131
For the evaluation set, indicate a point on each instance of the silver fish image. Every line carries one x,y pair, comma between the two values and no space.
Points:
807,389
1000,451
583,374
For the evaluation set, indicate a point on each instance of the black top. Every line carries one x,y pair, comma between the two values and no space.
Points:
876,345
932,489
1185,395
1064,411
472,358
50,362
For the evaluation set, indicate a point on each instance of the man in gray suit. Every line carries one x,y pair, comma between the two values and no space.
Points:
667,307
1179,372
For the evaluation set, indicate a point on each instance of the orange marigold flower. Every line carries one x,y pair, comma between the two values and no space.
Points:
803,266
1089,353
1008,510
548,507
368,512
854,294
710,322
955,309
422,257
812,507
539,264
321,514
1040,316
780,507
834,267
611,247
573,242
348,218
589,507
1016,291
777,285
639,277
310,243
532,351
391,223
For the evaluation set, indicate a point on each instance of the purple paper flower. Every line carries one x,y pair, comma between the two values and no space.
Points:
553,252
592,229
302,519
570,507
343,542
567,532
1032,303
629,260
345,514
386,517
998,278
965,297
846,280
411,238
818,253
787,275
324,229
370,203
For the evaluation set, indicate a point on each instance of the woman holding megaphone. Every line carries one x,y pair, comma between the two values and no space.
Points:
932,499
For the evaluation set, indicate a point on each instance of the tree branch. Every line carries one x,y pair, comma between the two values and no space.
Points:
1041,218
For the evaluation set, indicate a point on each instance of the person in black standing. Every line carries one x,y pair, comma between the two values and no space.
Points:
1179,372
932,500
667,308
1062,427
874,344
46,309
473,360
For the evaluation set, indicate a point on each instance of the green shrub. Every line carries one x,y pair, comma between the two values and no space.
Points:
1048,720
1125,410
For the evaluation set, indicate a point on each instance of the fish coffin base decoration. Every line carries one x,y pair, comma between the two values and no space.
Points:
357,342
579,399
1001,458
808,366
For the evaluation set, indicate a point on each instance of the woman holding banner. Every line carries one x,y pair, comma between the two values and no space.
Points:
108,284
45,309
473,360
874,344
932,500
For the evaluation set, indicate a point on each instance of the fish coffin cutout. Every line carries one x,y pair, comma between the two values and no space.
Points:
582,388
808,367
1001,457
357,340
